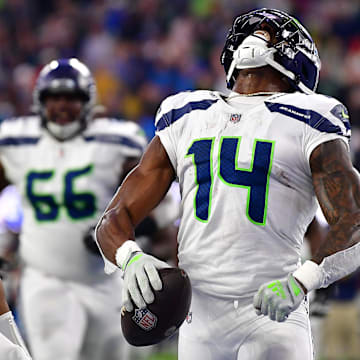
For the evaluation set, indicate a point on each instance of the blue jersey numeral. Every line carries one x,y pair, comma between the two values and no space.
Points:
45,206
201,151
255,179
78,205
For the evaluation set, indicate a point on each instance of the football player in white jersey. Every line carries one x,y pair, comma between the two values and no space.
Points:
250,167
66,166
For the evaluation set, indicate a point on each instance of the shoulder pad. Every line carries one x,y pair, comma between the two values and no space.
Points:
321,112
116,131
24,126
175,106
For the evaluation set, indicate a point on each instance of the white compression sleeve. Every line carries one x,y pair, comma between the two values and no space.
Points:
340,264
331,269
16,349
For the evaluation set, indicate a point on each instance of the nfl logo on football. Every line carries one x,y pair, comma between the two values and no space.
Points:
189,317
235,118
145,319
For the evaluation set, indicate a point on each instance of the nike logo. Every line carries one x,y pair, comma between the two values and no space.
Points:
277,288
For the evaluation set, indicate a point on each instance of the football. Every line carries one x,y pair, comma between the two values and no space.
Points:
160,319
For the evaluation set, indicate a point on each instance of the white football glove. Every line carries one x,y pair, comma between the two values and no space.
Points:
139,272
279,298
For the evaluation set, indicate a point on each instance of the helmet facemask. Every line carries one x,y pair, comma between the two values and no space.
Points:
65,77
293,52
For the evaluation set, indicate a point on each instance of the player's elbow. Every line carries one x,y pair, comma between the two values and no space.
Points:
355,229
347,227
115,227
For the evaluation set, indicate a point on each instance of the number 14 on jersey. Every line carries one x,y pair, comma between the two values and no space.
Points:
255,179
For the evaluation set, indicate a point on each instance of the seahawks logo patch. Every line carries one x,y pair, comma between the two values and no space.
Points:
341,113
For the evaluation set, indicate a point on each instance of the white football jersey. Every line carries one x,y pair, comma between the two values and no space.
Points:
245,181
65,187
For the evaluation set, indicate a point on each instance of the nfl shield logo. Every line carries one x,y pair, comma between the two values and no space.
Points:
145,319
235,118
189,317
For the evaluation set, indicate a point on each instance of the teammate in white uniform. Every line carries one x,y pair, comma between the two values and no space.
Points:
66,166
250,167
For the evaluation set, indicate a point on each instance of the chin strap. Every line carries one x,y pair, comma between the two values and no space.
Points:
64,132
270,61
251,53
254,52
67,131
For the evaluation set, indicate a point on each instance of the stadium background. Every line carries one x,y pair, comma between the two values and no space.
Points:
141,51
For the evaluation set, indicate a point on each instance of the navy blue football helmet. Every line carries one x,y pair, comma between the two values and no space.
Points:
294,53
69,76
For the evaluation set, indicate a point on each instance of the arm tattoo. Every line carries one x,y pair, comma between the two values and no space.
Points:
336,184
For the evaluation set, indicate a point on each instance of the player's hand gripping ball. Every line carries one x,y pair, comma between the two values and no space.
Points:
160,319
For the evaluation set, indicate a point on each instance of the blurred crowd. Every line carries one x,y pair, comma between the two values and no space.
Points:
141,51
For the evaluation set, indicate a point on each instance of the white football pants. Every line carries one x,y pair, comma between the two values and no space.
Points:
218,329
72,321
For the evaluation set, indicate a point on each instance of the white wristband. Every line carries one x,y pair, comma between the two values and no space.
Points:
124,251
310,275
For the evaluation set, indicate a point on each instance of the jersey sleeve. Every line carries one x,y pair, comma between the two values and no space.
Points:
331,124
16,136
134,139
127,135
137,141
169,121
163,121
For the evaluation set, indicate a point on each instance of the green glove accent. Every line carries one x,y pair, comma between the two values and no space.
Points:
132,259
141,278
277,288
279,298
